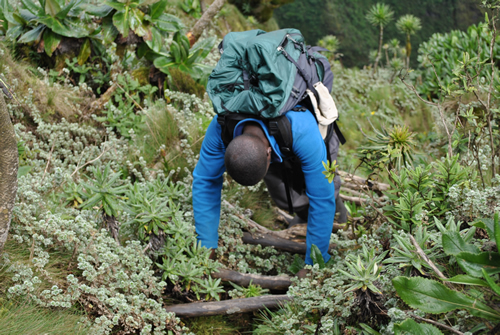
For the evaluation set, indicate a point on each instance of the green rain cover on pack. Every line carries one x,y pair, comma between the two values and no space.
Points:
258,57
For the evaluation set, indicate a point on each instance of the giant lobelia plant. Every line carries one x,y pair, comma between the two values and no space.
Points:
136,21
46,23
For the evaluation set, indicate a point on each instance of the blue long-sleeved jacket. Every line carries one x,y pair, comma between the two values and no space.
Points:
308,146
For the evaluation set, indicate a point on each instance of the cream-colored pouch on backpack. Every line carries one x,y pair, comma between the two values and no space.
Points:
326,111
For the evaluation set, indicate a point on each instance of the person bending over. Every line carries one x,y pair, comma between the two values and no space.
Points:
249,158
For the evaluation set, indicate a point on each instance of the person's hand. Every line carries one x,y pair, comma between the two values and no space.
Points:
302,273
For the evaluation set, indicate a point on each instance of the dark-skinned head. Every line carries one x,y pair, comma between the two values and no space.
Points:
246,159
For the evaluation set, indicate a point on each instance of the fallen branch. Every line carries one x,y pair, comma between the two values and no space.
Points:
228,306
105,97
299,230
439,324
371,184
422,254
279,243
204,21
356,200
48,162
352,191
92,161
244,279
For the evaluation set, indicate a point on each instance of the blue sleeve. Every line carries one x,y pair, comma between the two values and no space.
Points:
207,186
309,147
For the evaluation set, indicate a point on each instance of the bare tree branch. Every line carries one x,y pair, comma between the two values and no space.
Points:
422,254
204,21
439,324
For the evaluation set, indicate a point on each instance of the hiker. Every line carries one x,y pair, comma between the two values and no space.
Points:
287,153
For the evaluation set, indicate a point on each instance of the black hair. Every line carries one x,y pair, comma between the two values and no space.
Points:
246,159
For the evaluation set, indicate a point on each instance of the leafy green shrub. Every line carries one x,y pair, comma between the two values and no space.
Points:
46,24
441,57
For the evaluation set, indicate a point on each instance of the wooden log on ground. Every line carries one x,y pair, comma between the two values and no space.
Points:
373,185
352,191
243,279
243,305
279,243
299,230
356,200
267,240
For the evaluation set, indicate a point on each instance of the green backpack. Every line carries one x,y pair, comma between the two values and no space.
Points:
264,75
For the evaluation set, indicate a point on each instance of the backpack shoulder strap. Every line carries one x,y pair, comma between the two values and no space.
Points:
228,122
281,129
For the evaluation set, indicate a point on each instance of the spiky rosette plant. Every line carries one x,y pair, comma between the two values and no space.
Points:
388,150
104,194
364,272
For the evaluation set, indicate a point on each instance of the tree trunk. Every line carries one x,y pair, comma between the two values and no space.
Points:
203,22
9,163
379,53
227,306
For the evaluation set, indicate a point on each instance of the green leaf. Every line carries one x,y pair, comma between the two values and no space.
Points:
64,12
433,297
109,31
168,23
163,63
368,329
297,265
453,244
14,32
158,8
51,41
52,7
116,5
121,22
137,23
317,257
206,45
154,40
473,263
32,35
466,280
34,9
67,30
23,171
19,19
84,53
27,15
491,283
99,11
409,326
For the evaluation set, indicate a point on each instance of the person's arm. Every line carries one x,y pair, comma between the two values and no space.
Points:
309,147
207,186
